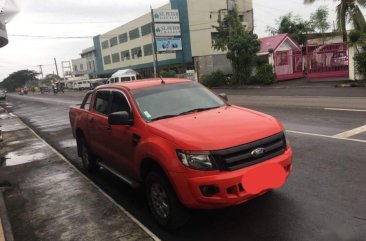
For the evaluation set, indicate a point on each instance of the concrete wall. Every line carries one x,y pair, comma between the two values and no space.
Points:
204,14
130,44
207,64
76,67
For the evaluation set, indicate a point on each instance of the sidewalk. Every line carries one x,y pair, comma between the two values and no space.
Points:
46,198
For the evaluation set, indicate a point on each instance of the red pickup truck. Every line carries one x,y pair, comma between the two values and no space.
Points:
186,145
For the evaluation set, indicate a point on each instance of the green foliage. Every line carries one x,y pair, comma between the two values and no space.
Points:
167,73
241,46
348,10
264,75
293,25
18,79
319,19
215,79
360,63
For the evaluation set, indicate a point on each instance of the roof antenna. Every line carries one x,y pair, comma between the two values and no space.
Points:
162,81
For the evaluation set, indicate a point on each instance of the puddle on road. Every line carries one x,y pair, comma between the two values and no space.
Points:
15,158
68,143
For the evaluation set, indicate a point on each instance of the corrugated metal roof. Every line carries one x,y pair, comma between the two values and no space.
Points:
271,42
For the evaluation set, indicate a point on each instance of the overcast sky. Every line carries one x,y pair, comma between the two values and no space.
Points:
72,18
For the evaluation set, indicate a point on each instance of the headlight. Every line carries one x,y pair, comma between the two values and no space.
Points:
197,160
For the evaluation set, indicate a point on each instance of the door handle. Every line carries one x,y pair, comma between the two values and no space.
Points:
109,128
91,120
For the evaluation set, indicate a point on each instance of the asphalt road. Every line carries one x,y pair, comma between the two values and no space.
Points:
324,198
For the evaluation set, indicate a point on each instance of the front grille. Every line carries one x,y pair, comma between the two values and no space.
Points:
240,156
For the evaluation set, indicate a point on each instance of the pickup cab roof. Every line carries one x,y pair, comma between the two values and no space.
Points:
146,83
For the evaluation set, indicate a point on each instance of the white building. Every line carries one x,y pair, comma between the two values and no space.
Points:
85,66
130,45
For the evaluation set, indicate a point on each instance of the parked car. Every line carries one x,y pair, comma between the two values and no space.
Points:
186,145
2,94
339,58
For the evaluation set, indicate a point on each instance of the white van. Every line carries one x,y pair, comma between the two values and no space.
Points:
123,75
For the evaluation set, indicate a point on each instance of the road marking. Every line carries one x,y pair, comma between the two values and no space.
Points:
331,137
339,109
352,132
152,235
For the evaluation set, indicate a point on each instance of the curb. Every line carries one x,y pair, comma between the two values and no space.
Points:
4,220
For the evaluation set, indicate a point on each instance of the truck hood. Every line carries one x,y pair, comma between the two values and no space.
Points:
216,129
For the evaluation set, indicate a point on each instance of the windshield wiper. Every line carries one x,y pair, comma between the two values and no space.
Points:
198,110
184,113
164,117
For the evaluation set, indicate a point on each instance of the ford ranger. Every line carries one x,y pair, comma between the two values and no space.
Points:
187,146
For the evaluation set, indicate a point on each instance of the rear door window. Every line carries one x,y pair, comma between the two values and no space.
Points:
101,104
86,102
119,103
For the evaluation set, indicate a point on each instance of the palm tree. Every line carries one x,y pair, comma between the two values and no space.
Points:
348,10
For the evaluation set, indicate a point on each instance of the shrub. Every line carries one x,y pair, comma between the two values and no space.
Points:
215,79
264,75
167,73
360,63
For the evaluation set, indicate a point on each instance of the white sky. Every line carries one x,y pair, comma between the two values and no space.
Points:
93,17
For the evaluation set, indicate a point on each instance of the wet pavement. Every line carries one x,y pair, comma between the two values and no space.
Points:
46,198
322,200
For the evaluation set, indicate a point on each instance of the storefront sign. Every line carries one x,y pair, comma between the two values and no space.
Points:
167,30
161,16
168,44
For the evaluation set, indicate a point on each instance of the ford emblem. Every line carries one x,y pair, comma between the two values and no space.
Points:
258,152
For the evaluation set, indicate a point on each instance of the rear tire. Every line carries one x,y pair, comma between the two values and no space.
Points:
163,202
88,158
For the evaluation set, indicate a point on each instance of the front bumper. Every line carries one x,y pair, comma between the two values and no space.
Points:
230,184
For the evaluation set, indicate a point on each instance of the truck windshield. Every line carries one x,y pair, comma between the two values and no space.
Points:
170,100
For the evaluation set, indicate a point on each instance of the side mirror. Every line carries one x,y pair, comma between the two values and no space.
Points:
223,96
122,118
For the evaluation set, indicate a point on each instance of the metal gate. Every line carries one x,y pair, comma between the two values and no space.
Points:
327,61
288,65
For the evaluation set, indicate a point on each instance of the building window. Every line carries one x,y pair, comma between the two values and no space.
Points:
113,41
75,67
115,58
146,29
81,67
282,58
136,53
148,49
105,44
125,55
134,34
241,17
214,37
122,38
107,59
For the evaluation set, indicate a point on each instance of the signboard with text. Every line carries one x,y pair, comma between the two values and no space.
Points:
168,44
167,30
167,16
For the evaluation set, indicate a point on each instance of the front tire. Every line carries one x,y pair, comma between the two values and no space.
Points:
163,202
89,160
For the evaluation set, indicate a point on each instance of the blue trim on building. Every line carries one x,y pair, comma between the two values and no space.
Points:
145,66
98,55
182,57
182,5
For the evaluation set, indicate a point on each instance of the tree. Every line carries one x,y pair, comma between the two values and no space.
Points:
18,79
293,25
348,10
242,46
319,20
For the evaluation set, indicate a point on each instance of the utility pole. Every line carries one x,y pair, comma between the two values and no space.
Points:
56,67
40,67
155,50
